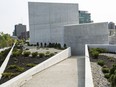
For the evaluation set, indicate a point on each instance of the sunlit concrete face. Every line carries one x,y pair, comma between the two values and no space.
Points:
46,20
76,36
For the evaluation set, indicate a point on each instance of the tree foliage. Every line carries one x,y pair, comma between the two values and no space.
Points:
5,40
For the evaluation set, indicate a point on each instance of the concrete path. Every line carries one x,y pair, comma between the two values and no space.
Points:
81,71
63,74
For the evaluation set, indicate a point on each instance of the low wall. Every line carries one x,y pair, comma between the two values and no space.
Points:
22,78
88,72
2,49
109,47
4,64
76,36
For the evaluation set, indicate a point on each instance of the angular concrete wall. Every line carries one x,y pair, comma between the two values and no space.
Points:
47,20
76,36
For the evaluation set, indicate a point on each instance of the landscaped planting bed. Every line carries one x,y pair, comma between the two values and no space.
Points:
3,55
21,60
103,68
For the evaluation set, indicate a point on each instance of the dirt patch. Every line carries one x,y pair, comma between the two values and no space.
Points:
109,61
23,62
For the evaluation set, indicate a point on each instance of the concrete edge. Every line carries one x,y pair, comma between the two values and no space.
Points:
88,72
4,64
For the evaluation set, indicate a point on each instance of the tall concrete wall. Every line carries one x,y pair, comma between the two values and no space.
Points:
46,20
76,36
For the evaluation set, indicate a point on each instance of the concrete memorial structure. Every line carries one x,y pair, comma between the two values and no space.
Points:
59,23
76,36
47,20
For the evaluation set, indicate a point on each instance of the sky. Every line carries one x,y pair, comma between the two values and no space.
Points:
13,12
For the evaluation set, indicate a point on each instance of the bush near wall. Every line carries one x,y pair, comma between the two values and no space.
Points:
94,52
34,54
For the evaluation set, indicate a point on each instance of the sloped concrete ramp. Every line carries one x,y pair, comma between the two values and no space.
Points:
63,74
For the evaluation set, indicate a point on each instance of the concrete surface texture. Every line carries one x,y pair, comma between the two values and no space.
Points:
81,71
112,39
76,36
46,20
63,74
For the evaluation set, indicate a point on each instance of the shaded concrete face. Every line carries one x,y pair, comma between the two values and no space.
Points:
47,20
76,36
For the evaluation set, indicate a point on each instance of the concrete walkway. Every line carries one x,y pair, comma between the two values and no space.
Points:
63,74
81,71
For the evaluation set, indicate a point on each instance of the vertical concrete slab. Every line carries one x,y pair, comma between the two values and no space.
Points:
47,20
76,36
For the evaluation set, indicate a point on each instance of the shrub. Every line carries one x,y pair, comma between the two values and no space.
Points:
105,70
112,70
31,44
41,55
111,59
47,55
65,46
38,44
45,44
8,74
35,45
106,75
12,67
5,52
15,60
101,50
51,54
1,57
34,54
59,46
94,54
16,53
55,52
113,80
30,65
19,69
100,62
105,66
49,45
26,54
47,52
41,44
27,49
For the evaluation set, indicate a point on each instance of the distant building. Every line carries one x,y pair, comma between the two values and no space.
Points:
20,31
84,17
111,25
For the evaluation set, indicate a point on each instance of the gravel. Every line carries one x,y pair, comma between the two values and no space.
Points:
109,54
98,76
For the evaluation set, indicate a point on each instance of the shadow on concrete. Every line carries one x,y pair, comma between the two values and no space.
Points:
81,71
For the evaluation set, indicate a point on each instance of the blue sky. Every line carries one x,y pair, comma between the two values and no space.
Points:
16,11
